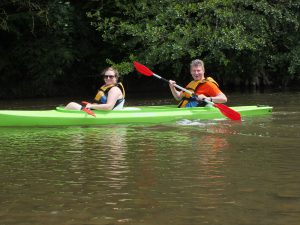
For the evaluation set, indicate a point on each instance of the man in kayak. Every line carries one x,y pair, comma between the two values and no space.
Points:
110,96
206,89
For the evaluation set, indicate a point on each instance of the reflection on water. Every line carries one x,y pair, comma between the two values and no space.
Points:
188,172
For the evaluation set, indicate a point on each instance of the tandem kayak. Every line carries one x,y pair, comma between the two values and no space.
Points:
128,115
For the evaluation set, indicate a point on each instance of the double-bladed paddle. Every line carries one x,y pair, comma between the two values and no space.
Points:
225,110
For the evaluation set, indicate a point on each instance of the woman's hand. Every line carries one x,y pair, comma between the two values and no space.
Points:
88,105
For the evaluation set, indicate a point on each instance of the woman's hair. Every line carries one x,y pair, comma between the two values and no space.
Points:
111,68
197,62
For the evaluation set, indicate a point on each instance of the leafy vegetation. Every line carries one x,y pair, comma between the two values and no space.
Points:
245,42
59,47
47,48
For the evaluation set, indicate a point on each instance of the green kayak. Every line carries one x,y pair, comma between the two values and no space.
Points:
129,115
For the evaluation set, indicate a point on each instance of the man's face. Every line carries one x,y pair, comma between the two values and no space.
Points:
197,72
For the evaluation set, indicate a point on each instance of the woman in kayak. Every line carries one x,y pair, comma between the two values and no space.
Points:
110,96
206,89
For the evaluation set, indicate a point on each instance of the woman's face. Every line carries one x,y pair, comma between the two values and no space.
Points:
110,77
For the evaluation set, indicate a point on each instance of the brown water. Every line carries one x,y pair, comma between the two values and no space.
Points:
183,173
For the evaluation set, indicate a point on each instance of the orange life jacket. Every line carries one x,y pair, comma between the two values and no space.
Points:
192,86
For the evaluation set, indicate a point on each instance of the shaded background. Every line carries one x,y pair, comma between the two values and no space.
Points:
59,48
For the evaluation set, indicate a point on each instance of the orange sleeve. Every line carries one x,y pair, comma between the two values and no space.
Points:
208,89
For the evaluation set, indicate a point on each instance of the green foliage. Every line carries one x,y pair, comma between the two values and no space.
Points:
48,46
124,67
248,35
40,44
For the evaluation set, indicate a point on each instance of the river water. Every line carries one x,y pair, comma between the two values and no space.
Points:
182,173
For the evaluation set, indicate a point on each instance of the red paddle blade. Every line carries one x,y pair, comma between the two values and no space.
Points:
142,69
85,103
228,112
88,111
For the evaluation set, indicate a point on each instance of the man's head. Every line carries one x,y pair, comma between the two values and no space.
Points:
197,69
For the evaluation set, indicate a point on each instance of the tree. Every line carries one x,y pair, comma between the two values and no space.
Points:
240,39
49,47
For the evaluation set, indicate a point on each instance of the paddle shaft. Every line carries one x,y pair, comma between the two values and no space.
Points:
181,88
